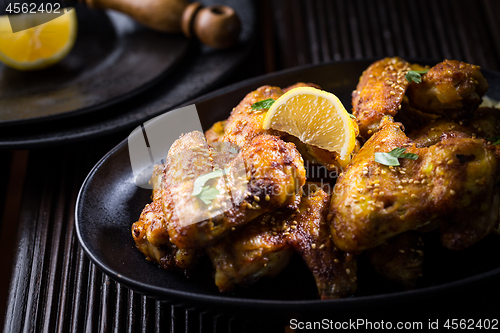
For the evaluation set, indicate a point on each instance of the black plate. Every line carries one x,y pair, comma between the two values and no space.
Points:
199,71
109,203
113,59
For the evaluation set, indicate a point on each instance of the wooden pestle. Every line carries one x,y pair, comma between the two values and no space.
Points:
217,26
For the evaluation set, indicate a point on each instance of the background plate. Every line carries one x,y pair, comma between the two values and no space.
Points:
200,70
113,59
109,202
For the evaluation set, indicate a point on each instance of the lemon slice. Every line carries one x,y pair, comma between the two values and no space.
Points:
315,117
38,47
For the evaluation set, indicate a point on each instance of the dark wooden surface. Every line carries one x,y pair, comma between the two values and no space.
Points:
46,282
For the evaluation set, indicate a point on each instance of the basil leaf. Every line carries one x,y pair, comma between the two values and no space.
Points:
414,76
265,104
391,158
351,115
386,159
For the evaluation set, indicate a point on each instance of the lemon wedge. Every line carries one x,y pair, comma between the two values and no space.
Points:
38,47
315,117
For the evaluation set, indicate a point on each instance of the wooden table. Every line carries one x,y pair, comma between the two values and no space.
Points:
46,282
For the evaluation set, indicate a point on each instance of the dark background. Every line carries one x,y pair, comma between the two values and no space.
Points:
47,283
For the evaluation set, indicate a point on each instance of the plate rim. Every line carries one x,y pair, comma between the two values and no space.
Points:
263,304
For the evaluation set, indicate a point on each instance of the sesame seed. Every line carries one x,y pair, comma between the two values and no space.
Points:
313,246
450,162
401,251
348,271
256,198
452,192
322,246
402,172
274,233
336,261
295,222
370,132
382,193
233,228
268,197
293,227
400,187
286,233
404,192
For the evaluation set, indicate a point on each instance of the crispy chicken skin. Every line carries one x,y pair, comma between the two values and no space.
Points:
263,248
151,236
451,88
334,271
380,92
372,202
244,123
216,132
274,171
400,259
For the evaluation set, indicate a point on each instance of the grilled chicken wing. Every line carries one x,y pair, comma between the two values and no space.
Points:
268,171
450,179
151,236
451,88
263,248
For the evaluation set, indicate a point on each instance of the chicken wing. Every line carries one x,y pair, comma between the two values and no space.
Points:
269,171
334,271
151,236
372,202
244,124
451,88
263,248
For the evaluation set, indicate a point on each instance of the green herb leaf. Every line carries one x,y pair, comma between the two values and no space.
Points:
391,158
414,76
351,115
208,194
265,104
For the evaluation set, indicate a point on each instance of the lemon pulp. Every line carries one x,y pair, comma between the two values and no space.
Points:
315,117
38,47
